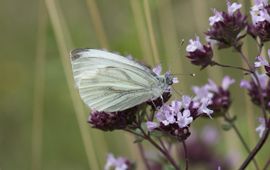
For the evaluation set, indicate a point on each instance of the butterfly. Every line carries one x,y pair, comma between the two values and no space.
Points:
109,82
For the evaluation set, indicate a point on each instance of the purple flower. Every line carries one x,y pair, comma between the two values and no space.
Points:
119,163
217,17
184,118
214,98
186,100
199,54
253,89
227,28
261,128
260,26
203,109
175,106
262,61
111,121
157,69
165,115
151,125
233,7
227,82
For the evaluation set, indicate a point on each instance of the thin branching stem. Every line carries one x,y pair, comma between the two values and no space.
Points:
145,161
241,138
166,154
256,149
186,154
263,139
267,165
214,63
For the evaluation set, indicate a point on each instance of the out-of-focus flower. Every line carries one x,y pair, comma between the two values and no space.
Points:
260,26
199,54
217,97
262,61
261,128
111,121
201,151
119,163
227,28
253,90
209,135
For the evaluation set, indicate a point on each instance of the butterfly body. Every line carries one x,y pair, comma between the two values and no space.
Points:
109,82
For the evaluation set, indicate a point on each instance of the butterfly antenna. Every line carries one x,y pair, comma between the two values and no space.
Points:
183,74
178,93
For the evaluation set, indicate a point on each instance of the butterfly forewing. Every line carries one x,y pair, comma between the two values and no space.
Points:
109,82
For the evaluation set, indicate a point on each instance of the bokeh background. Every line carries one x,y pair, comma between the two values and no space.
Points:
43,123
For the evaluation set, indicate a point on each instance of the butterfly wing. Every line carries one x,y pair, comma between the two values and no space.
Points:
109,82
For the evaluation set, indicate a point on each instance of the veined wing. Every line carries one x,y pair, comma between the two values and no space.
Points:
85,60
114,89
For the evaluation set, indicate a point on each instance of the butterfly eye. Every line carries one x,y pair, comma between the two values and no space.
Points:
169,80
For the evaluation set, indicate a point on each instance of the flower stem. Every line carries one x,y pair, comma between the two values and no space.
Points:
214,63
267,165
262,140
165,153
256,149
141,149
229,120
186,154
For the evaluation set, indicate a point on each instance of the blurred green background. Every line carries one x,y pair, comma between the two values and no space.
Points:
43,123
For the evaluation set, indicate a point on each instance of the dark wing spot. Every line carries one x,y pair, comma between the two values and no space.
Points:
75,54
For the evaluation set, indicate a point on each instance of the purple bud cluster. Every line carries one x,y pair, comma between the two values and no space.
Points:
199,54
260,26
253,90
262,61
111,121
226,27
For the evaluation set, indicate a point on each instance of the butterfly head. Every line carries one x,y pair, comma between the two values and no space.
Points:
169,79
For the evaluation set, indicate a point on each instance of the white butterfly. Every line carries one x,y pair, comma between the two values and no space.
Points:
109,82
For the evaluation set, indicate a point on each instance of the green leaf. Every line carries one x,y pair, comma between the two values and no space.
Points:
226,127
138,140
168,167
157,134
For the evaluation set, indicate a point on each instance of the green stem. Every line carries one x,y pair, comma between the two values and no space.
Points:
231,122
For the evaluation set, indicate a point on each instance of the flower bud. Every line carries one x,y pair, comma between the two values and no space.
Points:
199,54
111,121
253,90
260,27
226,27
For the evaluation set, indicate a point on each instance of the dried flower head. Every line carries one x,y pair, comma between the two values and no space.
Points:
111,121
